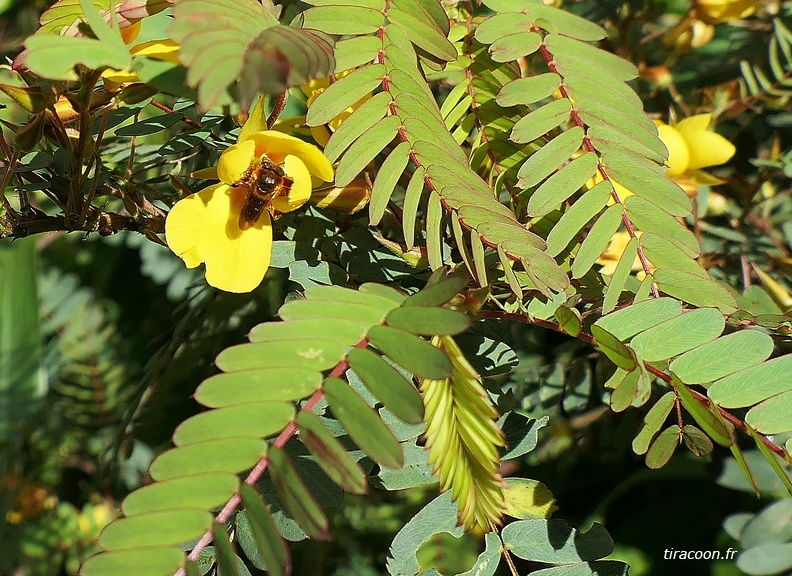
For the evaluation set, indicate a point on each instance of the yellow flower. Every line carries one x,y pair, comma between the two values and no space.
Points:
165,50
205,227
718,11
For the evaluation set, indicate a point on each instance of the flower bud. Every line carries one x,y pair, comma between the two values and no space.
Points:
350,199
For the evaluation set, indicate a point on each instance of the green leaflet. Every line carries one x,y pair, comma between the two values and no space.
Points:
266,384
434,231
561,185
695,289
252,419
597,240
663,447
321,328
231,455
706,417
606,139
678,335
353,19
356,51
366,148
362,314
617,352
541,121
423,35
269,543
437,294
412,198
330,454
648,217
752,385
368,114
653,420
427,321
626,323
620,276
305,353
344,93
55,56
555,542
388,385
773,416
513,46
722,357
410,352
544,161
224,551
611,64
299,502
363,424
388,175
159,561
204,491
174,527
665,254
576,217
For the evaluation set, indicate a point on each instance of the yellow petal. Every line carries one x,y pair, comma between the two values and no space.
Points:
166,50
277,145
301,188
209,173
701,178
717,11
119,76
697,123
707,148
678,152
204,227
257,119
235,160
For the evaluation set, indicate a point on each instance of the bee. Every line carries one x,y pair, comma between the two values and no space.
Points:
264,181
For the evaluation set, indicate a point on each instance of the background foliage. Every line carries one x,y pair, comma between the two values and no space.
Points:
475,389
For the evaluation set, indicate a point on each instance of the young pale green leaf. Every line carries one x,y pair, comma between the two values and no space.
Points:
412,199
427,321
696,441
695,289
629,321
252,419
540,121
263,385
387,384
343,93
597,240
296,498
663,447
174,527
576,217
362,424
544,161
554,541
562,184
617,352
225,455
513,46
708,418
678,335
309,353
423,35
773,416
224,551
366,148
330,454
411,352
753,385
204,491
352,20
620,276
369,113
388,175
652,423
159,561
270,545
723,356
